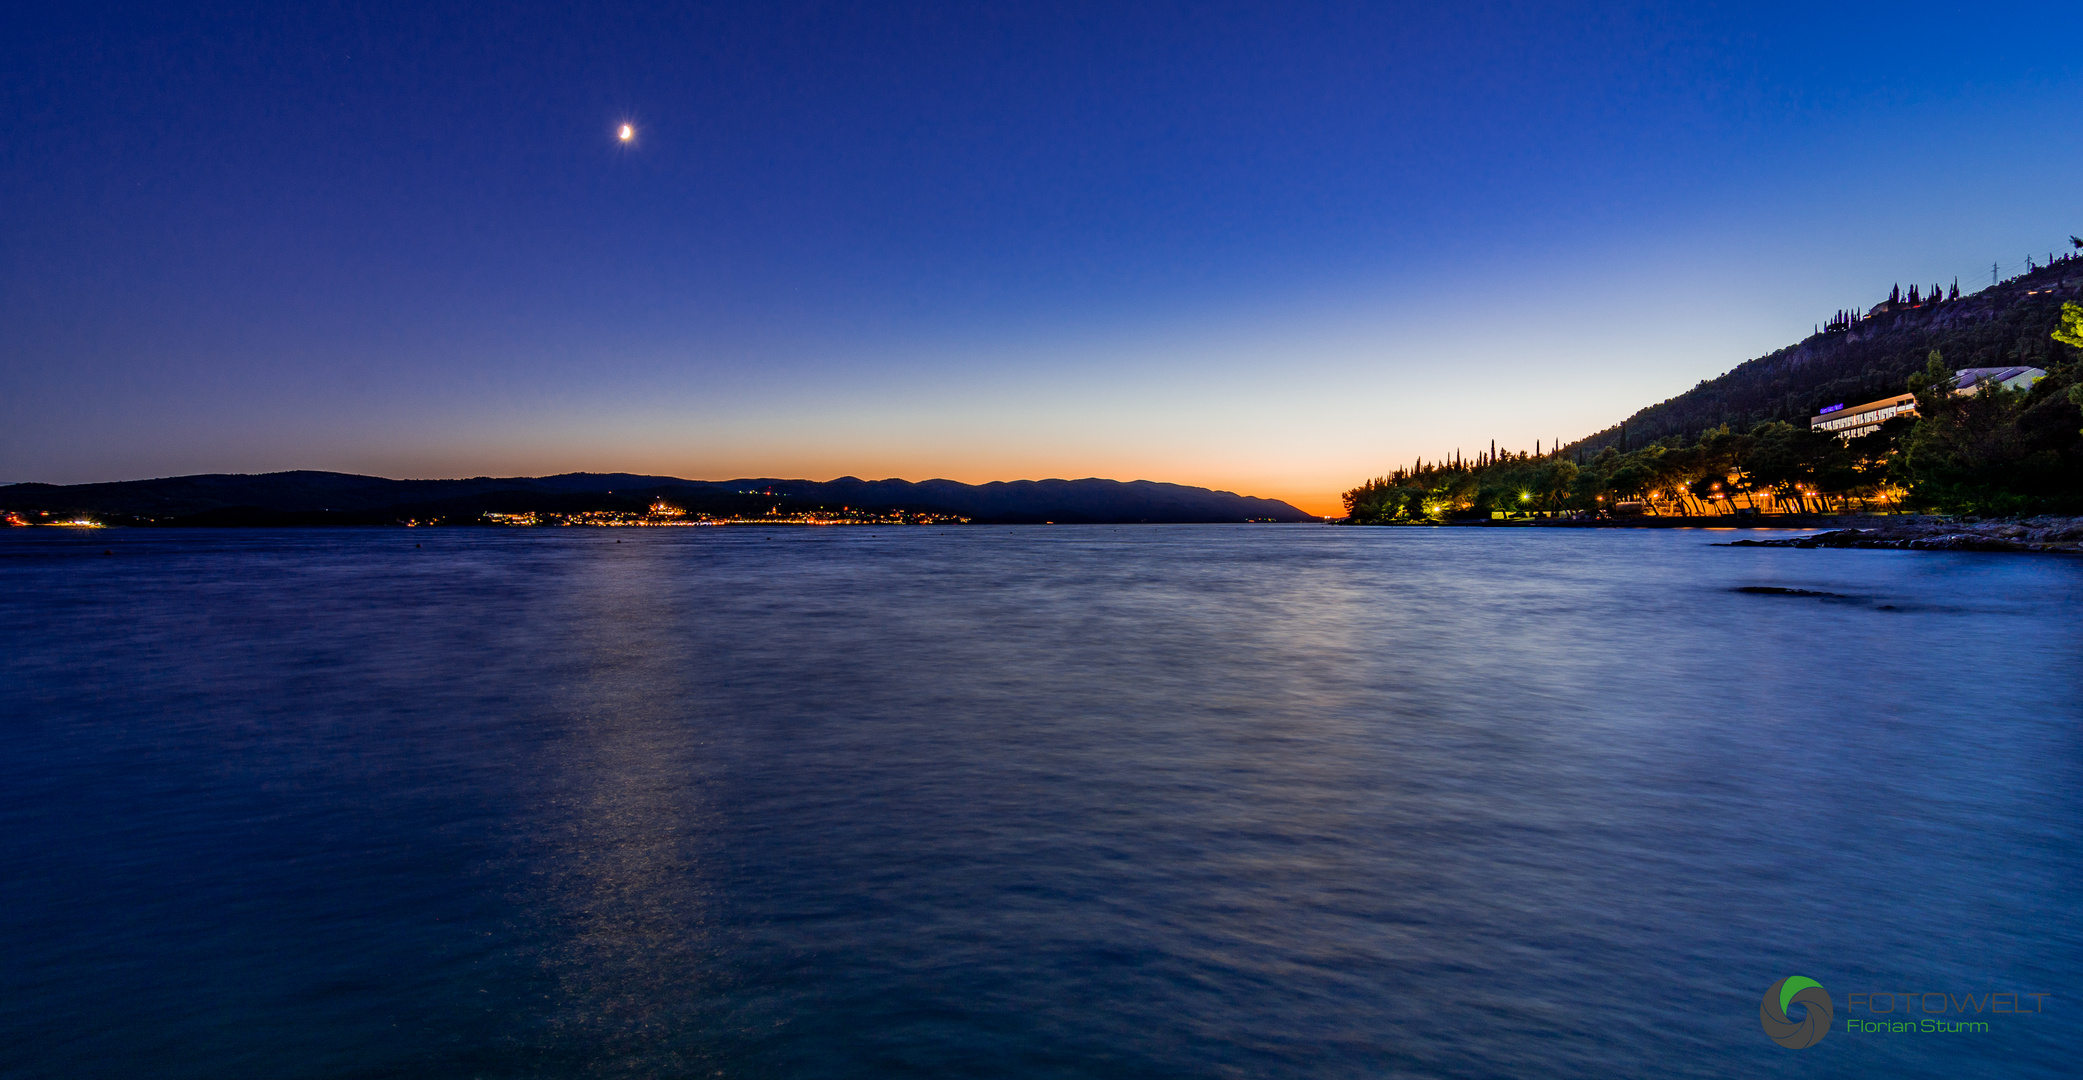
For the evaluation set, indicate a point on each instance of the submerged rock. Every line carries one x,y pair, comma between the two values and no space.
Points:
2037,535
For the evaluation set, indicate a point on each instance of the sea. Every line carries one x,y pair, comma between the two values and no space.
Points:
1069,801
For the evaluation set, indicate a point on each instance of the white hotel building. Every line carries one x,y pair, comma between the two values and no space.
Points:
1859,419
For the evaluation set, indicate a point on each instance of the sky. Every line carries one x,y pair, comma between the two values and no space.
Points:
1268,248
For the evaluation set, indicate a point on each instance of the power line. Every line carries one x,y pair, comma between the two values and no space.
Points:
1999,272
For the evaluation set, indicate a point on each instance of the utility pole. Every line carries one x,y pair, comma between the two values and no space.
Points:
1992,273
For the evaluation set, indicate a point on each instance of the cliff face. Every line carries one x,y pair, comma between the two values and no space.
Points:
2004,324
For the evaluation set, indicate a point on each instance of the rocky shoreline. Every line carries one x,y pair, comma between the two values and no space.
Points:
2042,535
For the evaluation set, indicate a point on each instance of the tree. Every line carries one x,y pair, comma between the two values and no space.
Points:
1554,483
1785,459
1867,458
1376,502
2070,332
1638,473
1996,450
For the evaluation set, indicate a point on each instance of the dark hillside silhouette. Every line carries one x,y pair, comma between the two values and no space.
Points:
327,498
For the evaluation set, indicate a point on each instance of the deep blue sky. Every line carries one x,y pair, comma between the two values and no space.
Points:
1274,248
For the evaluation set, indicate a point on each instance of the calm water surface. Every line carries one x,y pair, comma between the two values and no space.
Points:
1275,801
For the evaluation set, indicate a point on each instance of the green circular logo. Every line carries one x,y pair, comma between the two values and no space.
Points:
1786,993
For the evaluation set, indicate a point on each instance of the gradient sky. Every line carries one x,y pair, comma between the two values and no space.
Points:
1268,248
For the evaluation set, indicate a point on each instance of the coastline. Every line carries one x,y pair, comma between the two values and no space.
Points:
2046,535
1725,521
2039,536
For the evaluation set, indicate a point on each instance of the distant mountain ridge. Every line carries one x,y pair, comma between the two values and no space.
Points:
323,498
2009,323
